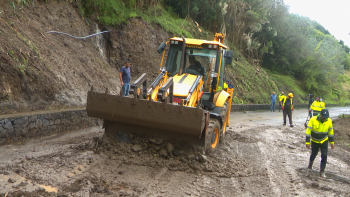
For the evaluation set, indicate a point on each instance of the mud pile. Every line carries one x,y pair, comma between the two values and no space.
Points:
341,127
138,149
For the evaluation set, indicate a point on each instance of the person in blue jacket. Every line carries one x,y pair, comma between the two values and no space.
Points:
125,77
273,98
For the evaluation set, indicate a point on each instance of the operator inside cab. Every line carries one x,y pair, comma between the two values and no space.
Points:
195,66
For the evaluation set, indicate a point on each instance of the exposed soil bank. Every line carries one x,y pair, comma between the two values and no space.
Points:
41,70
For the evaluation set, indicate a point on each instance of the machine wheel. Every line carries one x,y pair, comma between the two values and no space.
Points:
223,114
213,137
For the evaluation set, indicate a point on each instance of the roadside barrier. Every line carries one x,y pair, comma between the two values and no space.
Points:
35,124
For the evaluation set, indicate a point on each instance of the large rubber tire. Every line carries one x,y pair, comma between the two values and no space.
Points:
212,140
223,114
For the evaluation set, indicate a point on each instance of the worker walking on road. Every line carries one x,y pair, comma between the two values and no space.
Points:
280,99
320,131
311,100
317,106
125,78
273,98
287,107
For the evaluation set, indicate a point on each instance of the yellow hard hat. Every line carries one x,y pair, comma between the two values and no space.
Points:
290,95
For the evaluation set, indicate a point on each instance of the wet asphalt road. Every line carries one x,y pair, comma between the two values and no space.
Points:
276,118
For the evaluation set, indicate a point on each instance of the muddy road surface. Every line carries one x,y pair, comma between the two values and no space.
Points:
259,157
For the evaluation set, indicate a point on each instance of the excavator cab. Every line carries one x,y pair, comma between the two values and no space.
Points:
186,100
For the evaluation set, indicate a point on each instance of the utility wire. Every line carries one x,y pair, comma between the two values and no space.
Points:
57,32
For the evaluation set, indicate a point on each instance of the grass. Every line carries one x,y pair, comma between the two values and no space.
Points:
345,85
168,21
113,13
30,44
344,116
25,40
289,84
21,66
249,86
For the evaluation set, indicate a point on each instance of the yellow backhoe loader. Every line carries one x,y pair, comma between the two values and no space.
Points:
186,101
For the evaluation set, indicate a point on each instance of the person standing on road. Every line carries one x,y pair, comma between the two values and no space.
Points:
287,107
273,98
226,84
125,77
280,99
320,131
311,100
317,106
230,85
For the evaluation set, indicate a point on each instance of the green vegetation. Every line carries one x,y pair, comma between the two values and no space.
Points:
288,84
249,86
111,12
167,21
344,116
21,66
292,53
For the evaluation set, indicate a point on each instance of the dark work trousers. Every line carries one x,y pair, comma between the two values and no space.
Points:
314,151
310,112
289,113
280,107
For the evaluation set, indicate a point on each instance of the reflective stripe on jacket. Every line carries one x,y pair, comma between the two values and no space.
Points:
281,97
318,106
319,131
291,102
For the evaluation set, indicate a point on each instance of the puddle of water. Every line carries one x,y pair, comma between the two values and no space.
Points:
49,188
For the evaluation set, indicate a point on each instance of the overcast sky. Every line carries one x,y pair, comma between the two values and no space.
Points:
333,15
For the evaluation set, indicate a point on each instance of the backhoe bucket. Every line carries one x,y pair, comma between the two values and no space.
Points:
143,116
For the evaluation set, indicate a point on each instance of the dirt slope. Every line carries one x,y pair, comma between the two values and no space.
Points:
40,70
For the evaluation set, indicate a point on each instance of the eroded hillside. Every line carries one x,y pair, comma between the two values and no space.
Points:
41,70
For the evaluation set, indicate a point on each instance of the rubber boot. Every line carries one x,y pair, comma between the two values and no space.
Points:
309,168
310,165
322,174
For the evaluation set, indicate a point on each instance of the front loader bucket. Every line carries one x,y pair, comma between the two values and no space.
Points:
150,117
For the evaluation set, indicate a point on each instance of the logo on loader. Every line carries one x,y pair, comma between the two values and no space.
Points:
176,100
